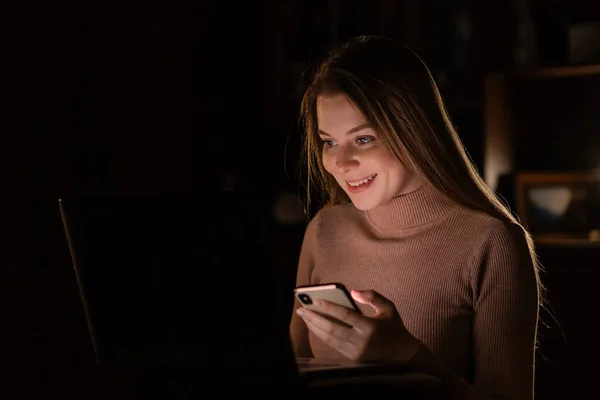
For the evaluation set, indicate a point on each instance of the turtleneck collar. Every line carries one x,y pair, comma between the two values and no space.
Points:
410,210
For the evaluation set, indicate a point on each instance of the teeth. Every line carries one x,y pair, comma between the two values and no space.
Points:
367,179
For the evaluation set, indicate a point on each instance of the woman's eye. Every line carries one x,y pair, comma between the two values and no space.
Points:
364,140
328,143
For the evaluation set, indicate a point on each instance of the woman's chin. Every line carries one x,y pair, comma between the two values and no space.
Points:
364,204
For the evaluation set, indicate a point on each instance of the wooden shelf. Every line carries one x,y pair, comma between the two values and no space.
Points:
565,242
560,72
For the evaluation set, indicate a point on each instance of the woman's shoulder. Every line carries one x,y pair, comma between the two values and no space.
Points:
487,228
333,216
343,211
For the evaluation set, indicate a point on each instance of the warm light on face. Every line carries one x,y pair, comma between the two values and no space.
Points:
356,157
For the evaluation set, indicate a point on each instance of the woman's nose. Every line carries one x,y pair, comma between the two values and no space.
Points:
345,160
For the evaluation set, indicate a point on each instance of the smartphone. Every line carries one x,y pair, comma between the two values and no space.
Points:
332,292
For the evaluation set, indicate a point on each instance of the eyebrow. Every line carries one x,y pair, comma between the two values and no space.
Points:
351,131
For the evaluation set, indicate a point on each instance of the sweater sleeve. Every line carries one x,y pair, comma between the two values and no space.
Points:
505,306
298,329
505,315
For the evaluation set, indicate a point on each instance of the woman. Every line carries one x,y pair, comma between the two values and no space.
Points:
445,277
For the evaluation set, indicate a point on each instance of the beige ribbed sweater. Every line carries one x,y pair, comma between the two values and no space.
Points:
462,281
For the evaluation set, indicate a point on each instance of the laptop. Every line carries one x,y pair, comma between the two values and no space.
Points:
179,282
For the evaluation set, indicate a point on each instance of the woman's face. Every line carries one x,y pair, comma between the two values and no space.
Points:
354,154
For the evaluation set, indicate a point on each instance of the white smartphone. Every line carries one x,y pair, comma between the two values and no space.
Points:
332,292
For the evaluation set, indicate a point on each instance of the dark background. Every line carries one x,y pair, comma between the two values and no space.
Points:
156,98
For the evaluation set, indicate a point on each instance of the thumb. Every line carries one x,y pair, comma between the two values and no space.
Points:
383,307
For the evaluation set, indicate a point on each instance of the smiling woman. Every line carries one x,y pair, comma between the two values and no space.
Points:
443,274
356,157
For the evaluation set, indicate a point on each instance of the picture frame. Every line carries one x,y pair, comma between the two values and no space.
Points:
559,207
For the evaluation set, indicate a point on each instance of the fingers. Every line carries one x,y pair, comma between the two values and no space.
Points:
331,340
332,333
383,307
344,314
328,327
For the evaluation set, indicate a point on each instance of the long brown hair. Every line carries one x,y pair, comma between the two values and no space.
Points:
396,93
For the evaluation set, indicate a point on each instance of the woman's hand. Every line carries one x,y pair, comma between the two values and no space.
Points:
378,338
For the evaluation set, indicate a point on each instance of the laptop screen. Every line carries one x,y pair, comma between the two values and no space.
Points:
177,280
